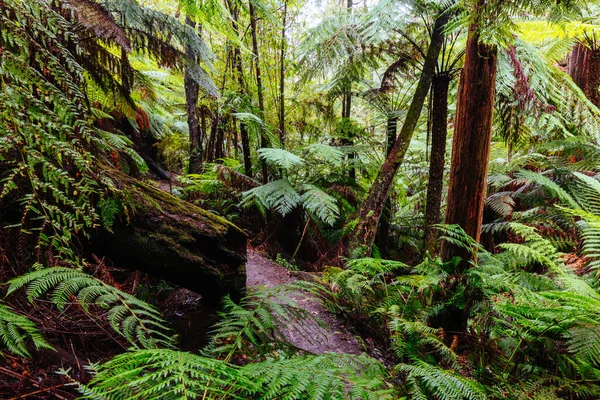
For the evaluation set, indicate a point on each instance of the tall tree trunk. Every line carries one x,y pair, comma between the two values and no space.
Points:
383,232
439,130
370,211
346,113
471,143
191,105
584,68
282,78
237,56
259,87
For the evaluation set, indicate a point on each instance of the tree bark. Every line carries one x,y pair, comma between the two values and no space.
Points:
259,88
383,232
371,210
439,130
237,55
177,241
282,78
191,105
584,68
471,143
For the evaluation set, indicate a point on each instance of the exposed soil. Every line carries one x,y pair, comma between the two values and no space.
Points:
333,338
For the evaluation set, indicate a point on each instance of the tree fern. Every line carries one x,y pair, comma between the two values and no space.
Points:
138,322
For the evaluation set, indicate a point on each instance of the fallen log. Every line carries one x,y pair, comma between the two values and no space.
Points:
174,240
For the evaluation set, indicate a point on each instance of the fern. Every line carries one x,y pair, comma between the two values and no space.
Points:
16,331
425,380
280,158
256,326
278,195
325,376
166,374
138,322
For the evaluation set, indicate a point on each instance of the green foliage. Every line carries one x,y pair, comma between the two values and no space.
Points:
138,322
166,374
325,376
16,331
426,381
254,327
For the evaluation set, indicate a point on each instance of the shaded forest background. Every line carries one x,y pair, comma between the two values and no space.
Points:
426,170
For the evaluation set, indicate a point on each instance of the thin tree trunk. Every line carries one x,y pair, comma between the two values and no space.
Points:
371,210
439,130
259,87
346,113
471,143
237,55
191,102
282,78
384,225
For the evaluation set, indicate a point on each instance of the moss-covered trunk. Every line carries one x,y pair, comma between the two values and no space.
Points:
439,130
176,241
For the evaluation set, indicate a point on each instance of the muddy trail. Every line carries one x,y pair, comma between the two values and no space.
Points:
333,337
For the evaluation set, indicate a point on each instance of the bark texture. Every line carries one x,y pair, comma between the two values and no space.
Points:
176,241
584,68
259,87
191,102
371,210
471,142
439,131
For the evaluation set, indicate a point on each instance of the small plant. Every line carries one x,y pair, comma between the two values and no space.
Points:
289,265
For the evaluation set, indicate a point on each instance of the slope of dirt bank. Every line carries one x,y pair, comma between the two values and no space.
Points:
333,338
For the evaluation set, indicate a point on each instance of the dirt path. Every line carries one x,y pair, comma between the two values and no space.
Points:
334,337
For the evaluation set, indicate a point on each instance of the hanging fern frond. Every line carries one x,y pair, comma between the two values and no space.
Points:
278,195
280,158
138,322
319,204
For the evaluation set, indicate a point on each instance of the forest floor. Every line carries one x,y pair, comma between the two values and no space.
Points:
333,337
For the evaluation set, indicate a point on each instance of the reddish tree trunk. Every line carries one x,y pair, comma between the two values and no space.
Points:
471,142
584,68
439,130
370,211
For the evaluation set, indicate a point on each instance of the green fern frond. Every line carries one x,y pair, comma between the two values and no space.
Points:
16,331
426,381
138,322
280,158
166,374
325,376
256,326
